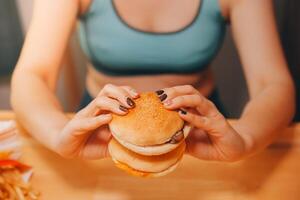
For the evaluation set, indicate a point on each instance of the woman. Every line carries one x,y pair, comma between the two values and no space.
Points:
157,45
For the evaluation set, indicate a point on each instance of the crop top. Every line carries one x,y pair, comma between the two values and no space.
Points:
116,48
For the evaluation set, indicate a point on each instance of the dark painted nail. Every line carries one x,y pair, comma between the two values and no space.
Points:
123,108
183,112
130,102
163,97
177,137
159,92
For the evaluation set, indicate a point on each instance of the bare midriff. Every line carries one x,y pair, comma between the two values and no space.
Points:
203,81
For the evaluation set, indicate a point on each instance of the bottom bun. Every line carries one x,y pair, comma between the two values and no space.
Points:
138,173
145,166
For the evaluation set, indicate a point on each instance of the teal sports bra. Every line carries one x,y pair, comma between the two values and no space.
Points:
116,48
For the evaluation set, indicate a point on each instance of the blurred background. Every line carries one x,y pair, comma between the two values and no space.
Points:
15,18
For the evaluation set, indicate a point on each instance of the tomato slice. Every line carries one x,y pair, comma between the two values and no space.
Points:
13,163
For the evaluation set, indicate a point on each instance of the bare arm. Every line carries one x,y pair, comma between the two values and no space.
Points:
272,97
34,80
33,88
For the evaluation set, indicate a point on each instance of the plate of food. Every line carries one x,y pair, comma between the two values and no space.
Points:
14,175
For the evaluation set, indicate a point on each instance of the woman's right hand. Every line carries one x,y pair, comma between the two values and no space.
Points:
86,135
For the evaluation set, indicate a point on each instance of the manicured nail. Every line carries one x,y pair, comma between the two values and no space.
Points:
123,108
130,102
163,97
183,112
159,92
168,103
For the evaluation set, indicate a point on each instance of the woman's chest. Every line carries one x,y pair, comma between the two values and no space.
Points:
111,42
157,15
154,15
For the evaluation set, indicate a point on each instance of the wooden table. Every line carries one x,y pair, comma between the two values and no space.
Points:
271,174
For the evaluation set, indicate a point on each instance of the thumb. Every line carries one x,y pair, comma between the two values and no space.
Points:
82,126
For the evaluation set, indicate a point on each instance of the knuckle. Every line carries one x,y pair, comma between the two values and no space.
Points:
107,87
220,117
189,88
211,104
198,99
171,91
222,123
121,91
81,113
216,115
100,100
126,87
206,122
105,90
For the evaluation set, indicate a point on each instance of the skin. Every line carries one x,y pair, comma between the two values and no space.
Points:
270,109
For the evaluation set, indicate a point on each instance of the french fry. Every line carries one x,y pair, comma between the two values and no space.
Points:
12,186
19,193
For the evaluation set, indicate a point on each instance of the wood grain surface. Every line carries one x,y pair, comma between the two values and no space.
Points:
271,174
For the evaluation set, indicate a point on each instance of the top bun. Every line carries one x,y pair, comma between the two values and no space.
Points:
149,123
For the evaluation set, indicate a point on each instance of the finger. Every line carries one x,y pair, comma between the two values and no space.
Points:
203,105
213,126
95,147
119,94
172,92
132,92
94,151
107,104
103,103
104,134
83,126
195,120
197,134
229,148
202,149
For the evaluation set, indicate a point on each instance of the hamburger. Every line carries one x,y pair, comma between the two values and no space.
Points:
149,140
149,128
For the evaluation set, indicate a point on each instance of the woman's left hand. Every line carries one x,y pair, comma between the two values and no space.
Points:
212,138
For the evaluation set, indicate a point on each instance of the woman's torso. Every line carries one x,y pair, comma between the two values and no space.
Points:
154,50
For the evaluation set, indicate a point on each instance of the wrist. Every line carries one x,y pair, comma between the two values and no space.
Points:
244,132
55,136
53,142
